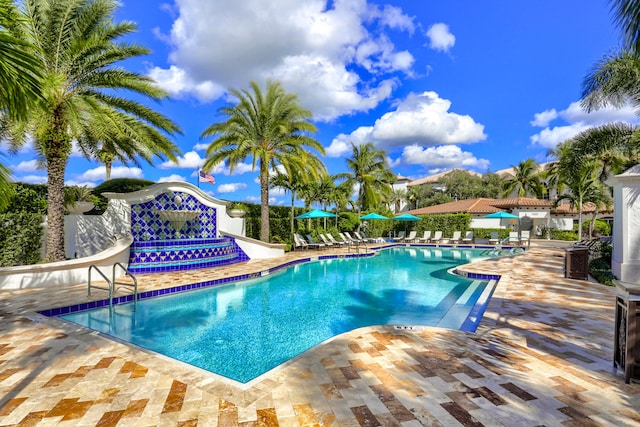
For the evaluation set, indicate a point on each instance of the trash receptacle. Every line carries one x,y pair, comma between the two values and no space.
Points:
576,264
626,346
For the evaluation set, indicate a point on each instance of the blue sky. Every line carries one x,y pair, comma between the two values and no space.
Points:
475,84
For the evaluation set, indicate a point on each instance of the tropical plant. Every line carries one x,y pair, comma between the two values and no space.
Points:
584,187
20,74
370,174
526,180
627,17
271,128
76,49
294,179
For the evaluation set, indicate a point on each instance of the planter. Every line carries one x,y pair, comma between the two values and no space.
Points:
236,213
80,208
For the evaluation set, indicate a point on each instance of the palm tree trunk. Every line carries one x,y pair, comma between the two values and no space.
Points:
55,209
264,200
293,200
107,166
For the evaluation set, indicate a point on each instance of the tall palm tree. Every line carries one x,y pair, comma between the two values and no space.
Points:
525,181
76,49
296,176
271,128
370,173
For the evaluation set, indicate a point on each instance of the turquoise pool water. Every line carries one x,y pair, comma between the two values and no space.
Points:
243,330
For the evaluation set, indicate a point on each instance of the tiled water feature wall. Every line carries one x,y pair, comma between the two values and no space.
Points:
174,232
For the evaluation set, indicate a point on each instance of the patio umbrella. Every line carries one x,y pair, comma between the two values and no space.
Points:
502,215
372,216
406,217
316,213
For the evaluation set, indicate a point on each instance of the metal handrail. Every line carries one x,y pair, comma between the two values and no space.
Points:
109,282
134,285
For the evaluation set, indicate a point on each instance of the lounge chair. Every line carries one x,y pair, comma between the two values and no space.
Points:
399,237
426,237
325,240
494,239
299,242
437,237
312,242
468,237
514,239
362,237
456,237
411,237
336,242
344,238
525,237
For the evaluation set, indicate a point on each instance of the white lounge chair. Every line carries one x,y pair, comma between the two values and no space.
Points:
334,241
399,237
455,238
468,237
411,237
514,239
299,242
426,237
525,237
437,237
494,239
325,240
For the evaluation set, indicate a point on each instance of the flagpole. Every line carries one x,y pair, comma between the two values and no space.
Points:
198,178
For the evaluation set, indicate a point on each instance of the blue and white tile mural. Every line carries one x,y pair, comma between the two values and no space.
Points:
175,231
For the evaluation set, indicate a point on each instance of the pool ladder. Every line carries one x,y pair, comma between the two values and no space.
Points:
111,284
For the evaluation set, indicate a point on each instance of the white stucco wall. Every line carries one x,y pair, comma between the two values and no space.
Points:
625,262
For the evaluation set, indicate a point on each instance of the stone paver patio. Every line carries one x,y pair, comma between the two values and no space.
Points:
541,356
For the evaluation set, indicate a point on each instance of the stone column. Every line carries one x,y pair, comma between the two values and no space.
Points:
625,262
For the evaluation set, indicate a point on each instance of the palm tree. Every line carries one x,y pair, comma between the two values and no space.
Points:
614,80
627,17
526,180
19,69
270,128
296,177
76,49
584,187
369,171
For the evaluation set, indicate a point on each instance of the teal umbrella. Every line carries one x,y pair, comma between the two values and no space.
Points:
372,216
502,215
316,213
407,217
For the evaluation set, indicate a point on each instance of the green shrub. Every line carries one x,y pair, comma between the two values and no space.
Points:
600,269
564,235
447,223
117,185
485,233
600,226
20,238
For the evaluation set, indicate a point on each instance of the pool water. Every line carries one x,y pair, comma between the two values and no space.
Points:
243,330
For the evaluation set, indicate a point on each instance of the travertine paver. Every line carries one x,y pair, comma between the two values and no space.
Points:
541,356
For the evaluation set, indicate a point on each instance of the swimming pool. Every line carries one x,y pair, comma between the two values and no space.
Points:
245,329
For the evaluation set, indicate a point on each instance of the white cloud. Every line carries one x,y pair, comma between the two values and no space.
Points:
421,119
172,178
256,199
543,119
440,38
26,166
576,120
33,179
312,47
231,188
190,160
200,147
441,157
99,174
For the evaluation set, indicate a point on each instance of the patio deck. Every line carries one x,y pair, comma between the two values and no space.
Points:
541,356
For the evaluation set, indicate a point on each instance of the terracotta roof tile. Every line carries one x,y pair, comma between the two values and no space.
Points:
474,206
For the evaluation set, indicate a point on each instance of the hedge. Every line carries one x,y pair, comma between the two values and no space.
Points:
20,238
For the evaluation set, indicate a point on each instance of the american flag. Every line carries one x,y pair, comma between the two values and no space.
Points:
205,177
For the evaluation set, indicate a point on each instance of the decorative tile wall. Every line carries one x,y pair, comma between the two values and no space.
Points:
159,247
